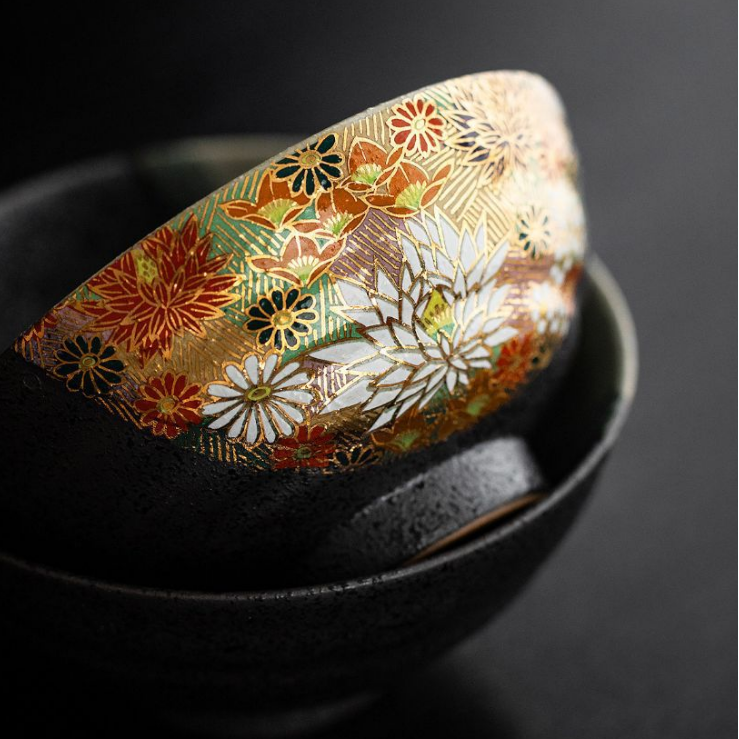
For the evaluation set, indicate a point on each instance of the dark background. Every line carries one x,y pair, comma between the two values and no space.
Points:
630,629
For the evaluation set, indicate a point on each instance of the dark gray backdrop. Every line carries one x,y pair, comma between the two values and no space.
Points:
629,631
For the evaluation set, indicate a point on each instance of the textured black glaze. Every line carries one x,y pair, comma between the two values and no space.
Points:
258,652
434,505
88,492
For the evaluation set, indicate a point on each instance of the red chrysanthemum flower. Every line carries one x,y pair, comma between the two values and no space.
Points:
169,404
515,361
163,288
416,126
309,448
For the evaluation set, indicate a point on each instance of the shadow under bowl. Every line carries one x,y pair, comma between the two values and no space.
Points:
308,654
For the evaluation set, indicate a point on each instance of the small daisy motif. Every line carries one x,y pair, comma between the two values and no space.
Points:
416,126
259,400
282,318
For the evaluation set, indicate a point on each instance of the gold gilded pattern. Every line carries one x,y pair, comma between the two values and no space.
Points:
385,284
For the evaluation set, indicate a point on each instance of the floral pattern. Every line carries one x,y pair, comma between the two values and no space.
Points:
534,231
276,205
548,308
314,167
163,288
428,330
485,396
259,400
409,432
88,366
351,458
309,448
385,285
169,404
496,139
301,262
416,126
282,319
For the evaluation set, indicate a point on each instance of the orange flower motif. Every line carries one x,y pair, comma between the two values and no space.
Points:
483,396
338,212
301,260
409,189
309,448
416,126
343,208
169,404
164,288
515,361
369,165
408,432
276,205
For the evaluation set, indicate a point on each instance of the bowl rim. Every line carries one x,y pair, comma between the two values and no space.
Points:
625,333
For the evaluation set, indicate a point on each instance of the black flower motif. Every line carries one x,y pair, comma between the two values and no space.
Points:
316,165
533,229
282,318
88,367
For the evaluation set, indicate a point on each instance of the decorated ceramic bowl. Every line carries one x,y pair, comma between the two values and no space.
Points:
206,408
293,658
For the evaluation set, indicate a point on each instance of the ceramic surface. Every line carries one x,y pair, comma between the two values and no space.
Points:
367,293
89,491
279,651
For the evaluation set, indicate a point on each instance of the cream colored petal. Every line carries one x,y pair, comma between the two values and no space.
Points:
224,391
411,254
467,253
357,393
404,336
291,411
269,367
252,427
284,372
226,418
385,286
449,235
236,376
294,396
267,428
387,309
353,294
382,398
213,409
385,417
251,369
284,425
500,336
345,352
382,335
237,426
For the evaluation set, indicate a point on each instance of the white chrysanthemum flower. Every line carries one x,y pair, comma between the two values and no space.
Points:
558,271
429,331
567,220
548,309
259,402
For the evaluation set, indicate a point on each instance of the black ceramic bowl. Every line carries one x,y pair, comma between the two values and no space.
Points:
307,654
87,492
